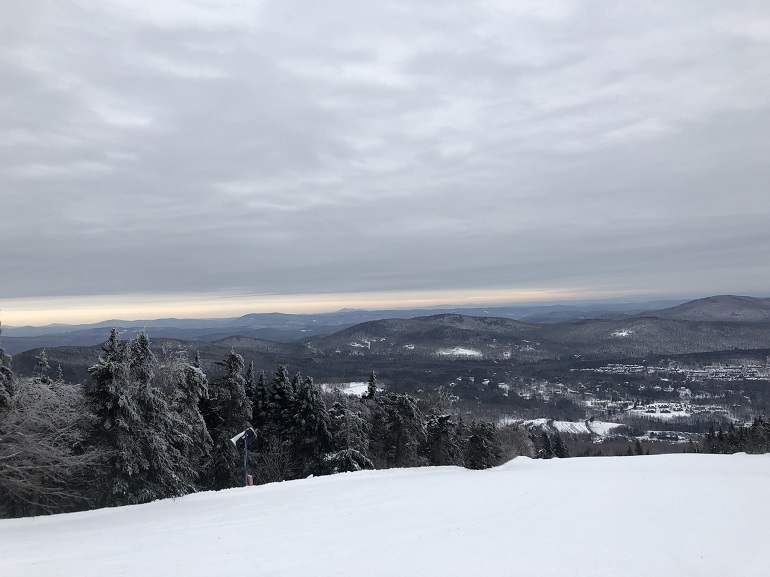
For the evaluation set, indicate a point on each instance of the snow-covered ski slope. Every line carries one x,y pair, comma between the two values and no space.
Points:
669,515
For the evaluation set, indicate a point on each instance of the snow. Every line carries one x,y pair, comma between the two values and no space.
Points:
582,516
460,352
594,428
354,388
623,333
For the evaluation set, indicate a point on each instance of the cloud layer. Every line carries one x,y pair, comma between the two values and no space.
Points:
296,147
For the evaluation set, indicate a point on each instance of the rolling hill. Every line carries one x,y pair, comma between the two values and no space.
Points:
721,308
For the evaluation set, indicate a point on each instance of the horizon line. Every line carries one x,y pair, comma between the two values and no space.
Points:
78,310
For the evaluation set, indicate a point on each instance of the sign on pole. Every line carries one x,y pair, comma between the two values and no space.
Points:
245,435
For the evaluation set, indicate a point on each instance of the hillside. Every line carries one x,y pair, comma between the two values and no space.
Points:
619,516
453,336
725,308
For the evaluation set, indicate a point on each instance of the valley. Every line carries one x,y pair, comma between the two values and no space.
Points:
666,370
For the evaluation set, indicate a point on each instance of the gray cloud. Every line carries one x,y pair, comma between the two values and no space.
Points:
299,147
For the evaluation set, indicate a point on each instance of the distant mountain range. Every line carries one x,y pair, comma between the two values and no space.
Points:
722,323
288,327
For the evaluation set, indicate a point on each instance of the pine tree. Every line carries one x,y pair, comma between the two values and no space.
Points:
169,473
309,429
142,361
231,410
442,446
398,431
250,381
42,367
259,403
371,388
195,444
137,427
546,450
280,402
559,448
638,448
483,449
350,439
6,379
116,420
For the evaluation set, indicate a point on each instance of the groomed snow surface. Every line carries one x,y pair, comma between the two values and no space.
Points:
652,516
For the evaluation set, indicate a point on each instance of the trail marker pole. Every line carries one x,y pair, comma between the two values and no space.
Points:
245,435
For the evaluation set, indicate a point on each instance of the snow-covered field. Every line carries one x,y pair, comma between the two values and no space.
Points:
460,352
668,515
593,428
356,388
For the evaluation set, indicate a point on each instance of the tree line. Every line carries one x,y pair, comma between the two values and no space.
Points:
149,428
754,438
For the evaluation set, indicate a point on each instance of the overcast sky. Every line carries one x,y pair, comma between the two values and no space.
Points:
236,156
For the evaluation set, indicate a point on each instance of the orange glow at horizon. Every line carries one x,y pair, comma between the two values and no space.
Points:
81,310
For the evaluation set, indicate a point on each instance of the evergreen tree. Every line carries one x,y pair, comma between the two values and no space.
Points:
6,379
443,445
260,397
142,361
483,449
163,433
559,448
350,439
231,410
42,367
309,429
371,388
251,381
136,426
638,448
546,449
280,403
398,430
116,420
59,374
195,444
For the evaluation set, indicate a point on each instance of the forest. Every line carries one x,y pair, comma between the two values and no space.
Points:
147,428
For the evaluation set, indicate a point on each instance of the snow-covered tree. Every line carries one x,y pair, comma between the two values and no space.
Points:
192,388
142,361
309,428
136,426
482,449
231,411
398,430
250,380
6,379
260,397
280,404
371,387
546,449
443,444
168,473
350,438
116,420
44,466
41,366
